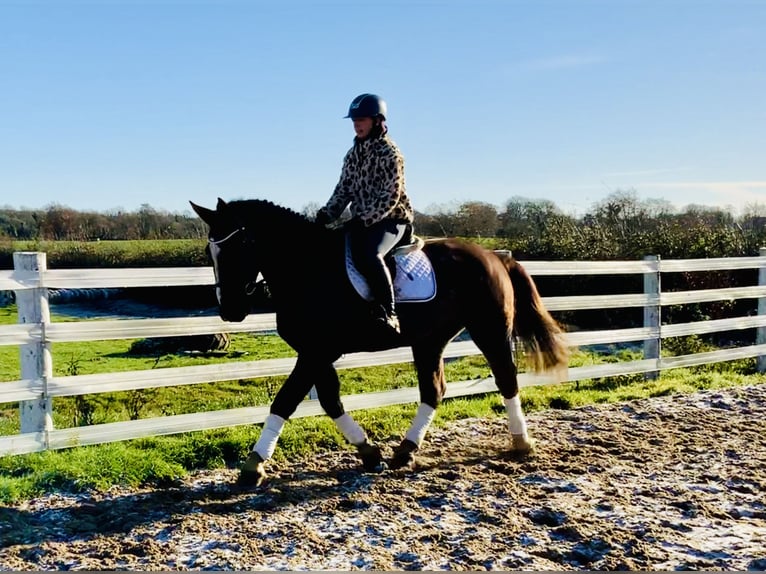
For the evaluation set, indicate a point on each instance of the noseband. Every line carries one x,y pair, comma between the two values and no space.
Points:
251,286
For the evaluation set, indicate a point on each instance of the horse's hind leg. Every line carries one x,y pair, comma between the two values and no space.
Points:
492,336
432,384
328,393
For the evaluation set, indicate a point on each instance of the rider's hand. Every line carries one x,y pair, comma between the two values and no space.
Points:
322,217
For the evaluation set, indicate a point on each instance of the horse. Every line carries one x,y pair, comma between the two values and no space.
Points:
322,317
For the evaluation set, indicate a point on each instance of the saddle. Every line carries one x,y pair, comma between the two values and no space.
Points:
411,271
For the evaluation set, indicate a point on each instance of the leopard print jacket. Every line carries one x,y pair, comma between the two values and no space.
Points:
372,182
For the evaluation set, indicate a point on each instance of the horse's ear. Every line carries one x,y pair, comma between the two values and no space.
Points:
221,204
207,215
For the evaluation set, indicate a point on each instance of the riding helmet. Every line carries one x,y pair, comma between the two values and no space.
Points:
367,106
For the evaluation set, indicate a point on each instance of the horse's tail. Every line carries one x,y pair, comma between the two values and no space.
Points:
533,324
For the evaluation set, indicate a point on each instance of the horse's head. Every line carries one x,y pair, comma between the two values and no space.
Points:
230,250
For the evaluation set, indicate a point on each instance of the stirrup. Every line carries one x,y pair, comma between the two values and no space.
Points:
393,322
390,319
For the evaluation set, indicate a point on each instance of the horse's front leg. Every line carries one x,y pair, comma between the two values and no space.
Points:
308,372
432,384
293,390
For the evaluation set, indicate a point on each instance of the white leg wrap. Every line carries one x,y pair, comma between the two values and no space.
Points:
350,429
267,442
420,424
517,424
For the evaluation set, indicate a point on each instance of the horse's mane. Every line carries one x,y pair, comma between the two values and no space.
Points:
265,210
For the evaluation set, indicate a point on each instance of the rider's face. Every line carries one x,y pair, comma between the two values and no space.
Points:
362,127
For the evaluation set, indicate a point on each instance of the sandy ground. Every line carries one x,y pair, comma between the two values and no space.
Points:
669,483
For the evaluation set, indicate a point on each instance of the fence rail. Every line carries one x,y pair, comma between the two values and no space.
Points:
37,387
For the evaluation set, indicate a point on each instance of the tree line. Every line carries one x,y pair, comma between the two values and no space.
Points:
60,223
621,226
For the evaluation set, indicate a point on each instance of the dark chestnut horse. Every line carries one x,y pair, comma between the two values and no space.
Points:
322,316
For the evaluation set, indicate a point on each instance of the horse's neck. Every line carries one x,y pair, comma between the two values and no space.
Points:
289,258
297,267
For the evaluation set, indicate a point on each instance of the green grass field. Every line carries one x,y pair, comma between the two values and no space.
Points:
163,459
84,254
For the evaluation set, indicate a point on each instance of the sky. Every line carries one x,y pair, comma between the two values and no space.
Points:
113,105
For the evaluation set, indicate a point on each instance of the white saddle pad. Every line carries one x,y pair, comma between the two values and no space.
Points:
414,281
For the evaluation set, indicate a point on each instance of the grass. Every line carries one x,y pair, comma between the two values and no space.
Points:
162,460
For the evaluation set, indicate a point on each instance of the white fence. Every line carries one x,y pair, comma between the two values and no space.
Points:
38,387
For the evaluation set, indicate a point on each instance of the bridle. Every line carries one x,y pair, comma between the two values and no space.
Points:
250,286
225,239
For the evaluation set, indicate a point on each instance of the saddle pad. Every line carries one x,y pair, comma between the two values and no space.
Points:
414,281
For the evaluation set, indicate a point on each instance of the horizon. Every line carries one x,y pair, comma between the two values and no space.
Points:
757,209
116,104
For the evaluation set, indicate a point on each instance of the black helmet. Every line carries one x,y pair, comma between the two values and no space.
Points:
367,106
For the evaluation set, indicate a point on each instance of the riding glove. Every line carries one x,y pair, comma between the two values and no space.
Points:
322,217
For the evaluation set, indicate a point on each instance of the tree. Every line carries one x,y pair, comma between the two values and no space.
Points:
310,209
57,222
525,222
18,224
477,219
438,221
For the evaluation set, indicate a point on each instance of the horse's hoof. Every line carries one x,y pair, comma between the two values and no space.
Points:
404,455
372,458
253,472
521,444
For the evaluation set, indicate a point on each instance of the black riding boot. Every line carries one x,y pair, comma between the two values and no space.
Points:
379,280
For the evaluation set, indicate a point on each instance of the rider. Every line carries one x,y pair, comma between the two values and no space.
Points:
372,183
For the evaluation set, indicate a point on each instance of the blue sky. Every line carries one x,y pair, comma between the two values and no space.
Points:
114,104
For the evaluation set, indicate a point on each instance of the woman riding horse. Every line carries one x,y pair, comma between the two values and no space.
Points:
372,184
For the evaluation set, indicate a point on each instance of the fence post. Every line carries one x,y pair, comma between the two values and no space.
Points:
36,362
760,332
653,314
